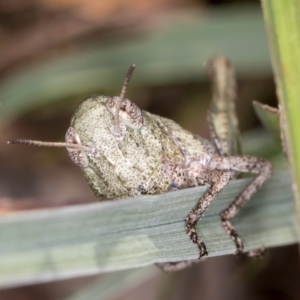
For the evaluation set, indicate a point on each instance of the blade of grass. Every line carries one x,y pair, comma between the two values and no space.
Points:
283,28
269,117
87,239
114,285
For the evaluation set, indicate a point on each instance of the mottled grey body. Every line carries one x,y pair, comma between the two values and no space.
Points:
147,161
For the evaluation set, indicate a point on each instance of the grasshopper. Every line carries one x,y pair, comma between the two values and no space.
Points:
124,151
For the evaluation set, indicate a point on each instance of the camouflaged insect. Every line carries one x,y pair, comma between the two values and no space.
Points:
124,151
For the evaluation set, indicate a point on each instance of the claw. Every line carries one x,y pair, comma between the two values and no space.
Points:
202,249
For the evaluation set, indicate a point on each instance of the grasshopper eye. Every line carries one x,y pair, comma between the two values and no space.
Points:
78,156
124,111
129,113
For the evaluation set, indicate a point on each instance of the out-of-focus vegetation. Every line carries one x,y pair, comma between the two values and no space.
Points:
54,53
169,48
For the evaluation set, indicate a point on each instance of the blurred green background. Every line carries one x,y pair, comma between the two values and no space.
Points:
54,53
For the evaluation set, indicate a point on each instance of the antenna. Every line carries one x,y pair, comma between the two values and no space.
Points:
121,98
49,144
79,146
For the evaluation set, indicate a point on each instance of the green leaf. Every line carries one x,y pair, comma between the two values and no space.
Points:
270,118
116,235
283,28
114,285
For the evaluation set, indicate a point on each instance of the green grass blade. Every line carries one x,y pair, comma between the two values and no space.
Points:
114,285
270,119
283,28
74,241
